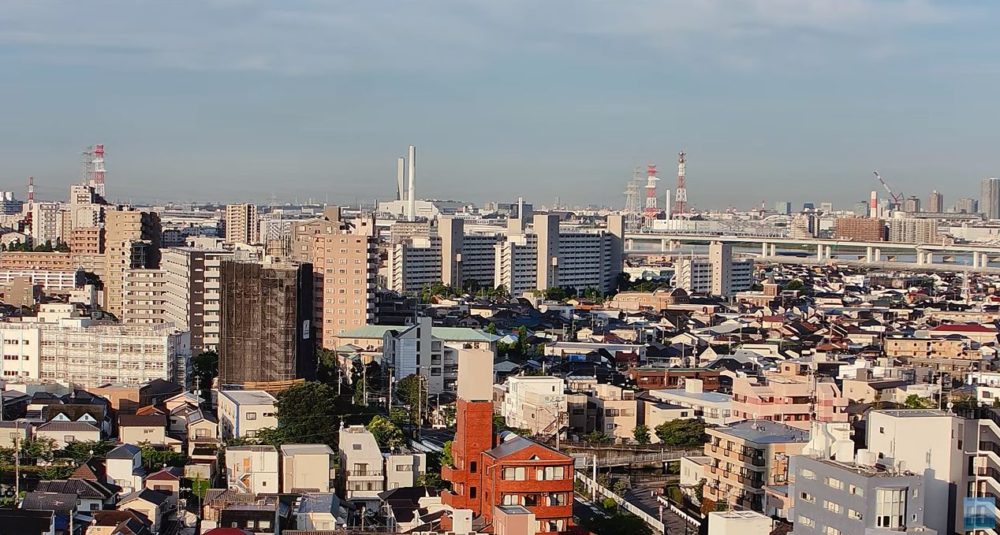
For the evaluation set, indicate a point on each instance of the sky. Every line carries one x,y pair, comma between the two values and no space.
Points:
258,100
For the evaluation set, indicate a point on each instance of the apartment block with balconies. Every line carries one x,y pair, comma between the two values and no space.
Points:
747,456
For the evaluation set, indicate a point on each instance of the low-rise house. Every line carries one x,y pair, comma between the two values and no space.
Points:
243,413
713,407
404,468
361,474
28,522
150,428
320,512
63,506
306,467
166,481
152,504
119,523
12,432
123,466
63,433
91,495
655,413
252,469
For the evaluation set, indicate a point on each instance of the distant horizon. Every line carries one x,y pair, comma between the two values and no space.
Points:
250,100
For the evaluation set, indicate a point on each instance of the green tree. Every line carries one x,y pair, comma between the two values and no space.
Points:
360,387
83,451
412,391
270,436
681,433
386,433
430,479
641,434
795,284
39,449
913,401
327,370
491,328
205,366
597,438
446,458
307,414
154,459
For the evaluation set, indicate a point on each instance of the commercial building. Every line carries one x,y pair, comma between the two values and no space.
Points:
989,198
242,224
864,229
913,230
718,274
967,205
90,354
266,322
132,240
849,498
935,202
243,413
747,456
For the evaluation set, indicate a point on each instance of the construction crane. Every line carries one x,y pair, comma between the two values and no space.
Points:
896,199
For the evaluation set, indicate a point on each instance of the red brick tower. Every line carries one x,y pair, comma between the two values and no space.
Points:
473,436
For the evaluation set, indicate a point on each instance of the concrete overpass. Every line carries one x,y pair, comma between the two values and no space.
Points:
869,253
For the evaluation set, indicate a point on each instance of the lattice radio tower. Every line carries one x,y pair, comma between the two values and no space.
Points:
633,203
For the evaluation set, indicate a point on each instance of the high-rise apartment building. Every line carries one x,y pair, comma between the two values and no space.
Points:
144,296
132,240
863,229
45,222
267,312
344,256
718,274
783,207
911,205
242,224
193,297
989,198
935,202
967,205
913,230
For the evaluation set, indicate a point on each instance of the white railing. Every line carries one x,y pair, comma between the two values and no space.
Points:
605,492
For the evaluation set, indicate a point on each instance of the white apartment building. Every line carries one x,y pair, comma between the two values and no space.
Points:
361,471
51,281
718,274
88,353
987,385
913,230
242,413
45,222
306,467
535,403
516,264
414,264
252,469
433,352
144,296
193,293
242,224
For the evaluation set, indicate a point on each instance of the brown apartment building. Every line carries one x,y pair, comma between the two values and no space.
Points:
859,229
132,240
344,256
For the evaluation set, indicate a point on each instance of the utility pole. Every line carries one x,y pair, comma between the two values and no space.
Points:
17,461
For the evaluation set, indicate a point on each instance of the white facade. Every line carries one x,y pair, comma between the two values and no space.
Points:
252,469
89,354
45,222
403,469
414,264
243,413
49,280
535,403
361,471
718,274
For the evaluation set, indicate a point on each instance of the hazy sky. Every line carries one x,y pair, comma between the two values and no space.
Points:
249,99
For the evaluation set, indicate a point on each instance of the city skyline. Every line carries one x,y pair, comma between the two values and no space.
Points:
243,101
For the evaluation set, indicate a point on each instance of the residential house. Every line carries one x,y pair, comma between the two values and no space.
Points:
153,505
361,472
63,506
713,407
64,433
123,467
404,468
243,413
91,495
306,467
12,432
167,481
119,523
151,428
252,469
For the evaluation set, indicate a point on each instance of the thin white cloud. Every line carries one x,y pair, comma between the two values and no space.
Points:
304,36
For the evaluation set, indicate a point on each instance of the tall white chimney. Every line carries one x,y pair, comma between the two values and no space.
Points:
411,205
400,178
667,207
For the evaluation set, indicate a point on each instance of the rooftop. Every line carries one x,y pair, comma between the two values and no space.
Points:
704,397
914,413
249,397
764,432
306,449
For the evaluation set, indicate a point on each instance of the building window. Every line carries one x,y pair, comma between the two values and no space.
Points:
854,515
472,492
251,416
856,490
890,508
832,507
834,483
514,473
830,530
806,497
806,521
472,467
808,474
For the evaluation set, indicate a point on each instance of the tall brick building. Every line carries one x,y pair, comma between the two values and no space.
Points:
859,229
488,473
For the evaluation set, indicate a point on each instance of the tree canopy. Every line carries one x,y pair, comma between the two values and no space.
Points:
641,434
681,432
386,433
307,414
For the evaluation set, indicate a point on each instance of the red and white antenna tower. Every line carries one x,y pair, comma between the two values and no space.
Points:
681,195
31,190
651,210
93,161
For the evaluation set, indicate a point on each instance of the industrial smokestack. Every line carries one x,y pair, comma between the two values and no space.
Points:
873,206
520,208
411,204
400,177
667,207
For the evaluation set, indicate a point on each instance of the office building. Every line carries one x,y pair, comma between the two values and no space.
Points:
862,229
8,204
266,322
718,274
746,457
242,224
193,293
935,202
989,198
911,205
344,256
783,207
132,240
912,230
